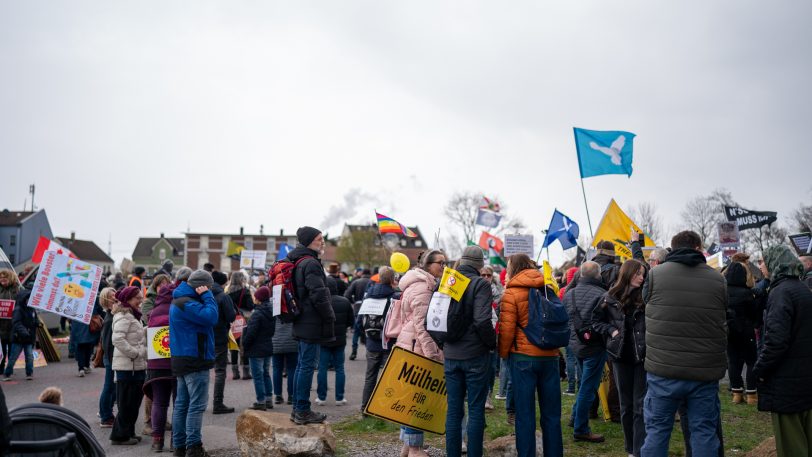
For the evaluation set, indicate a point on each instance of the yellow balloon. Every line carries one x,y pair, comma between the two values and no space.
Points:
399,262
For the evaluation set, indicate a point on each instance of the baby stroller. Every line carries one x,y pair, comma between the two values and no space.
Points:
42,429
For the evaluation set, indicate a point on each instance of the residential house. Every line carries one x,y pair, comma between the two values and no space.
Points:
411,247
19,234
151,253
202,248
88,251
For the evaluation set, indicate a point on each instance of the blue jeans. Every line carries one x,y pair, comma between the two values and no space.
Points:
504,376
356,335
190,402
591,374
282,362
261,372
108,394
303,382
469,376
664,397
15,353
573,370
530,378
334,356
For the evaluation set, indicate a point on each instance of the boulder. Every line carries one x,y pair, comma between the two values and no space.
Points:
269,434
765,449
505,446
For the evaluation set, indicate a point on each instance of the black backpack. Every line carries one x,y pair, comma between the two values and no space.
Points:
372,324
460,318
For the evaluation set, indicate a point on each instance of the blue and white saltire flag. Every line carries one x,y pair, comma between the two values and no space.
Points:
284,249
604,153
563,229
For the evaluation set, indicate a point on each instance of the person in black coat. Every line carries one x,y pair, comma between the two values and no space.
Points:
257,341
240,294
24,325
355,294
783,368
742,318
332,354
226,314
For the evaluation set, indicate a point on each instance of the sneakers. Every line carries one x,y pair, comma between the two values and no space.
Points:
6,378
259,406
589,438
196,451
569,392
308,417
320,402
222,409
157,445
147,431
127,442
179,452
87,370
488,404
353,354
269,404
81,373
500,397
290,401
341,402
29,377
107,424
279,400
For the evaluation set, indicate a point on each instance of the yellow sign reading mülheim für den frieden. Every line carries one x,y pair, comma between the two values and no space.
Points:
411,392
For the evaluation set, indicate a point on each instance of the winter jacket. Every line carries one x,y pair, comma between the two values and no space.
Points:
610,270
480,338
257,338
241,298
129,341
315,323
378,291
160,318
283,341
808,278
25,320
418,286
343,311
514,314
581,301
631,329
8,293
686,327
784,365
192,318
225,316
149,303
341,286
742,312
80,332
107,337
355,291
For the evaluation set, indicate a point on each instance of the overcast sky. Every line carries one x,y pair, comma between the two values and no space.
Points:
135,118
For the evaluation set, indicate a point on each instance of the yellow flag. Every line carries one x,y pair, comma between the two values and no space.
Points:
617,227
232,342
233,249
453,283
548,277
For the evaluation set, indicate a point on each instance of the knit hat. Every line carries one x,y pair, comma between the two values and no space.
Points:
124,295
306,235
200,278
183,274
262,294
219,277
472,256
168,265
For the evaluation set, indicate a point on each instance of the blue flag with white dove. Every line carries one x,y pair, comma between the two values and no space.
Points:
604,152
563,229
284,249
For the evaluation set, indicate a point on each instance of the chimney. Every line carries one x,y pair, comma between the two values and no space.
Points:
281,232
241,230
162,234
72,237
261,229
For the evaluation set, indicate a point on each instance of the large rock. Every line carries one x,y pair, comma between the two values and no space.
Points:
274,435
505,446
765,449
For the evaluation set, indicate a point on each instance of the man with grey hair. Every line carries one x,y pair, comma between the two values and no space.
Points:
587,345
657,257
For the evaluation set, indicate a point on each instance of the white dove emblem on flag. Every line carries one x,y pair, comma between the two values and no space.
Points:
612,151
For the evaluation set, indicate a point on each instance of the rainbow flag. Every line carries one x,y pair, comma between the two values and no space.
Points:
389,225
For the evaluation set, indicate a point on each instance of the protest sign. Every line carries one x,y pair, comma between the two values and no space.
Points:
373,306
66,286
716,261
453,283
158,342
802,242
437,316
39,360
6,309
728,235
276,296
411,392
519,244
254,260
238,326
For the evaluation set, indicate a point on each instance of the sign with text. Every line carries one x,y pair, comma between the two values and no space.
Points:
6,309
66,286
39,360
519,244
747,219
374,306
437,315
411,392
158,343
453,283
253,259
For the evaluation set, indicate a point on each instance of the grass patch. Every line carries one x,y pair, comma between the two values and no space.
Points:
744,428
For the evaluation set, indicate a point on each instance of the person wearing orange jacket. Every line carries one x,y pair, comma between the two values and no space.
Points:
532,369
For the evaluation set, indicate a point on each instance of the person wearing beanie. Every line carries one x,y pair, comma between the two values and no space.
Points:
314,326
183,275
138,278
192,318
226,314
467,360
166,268
257,341
355,294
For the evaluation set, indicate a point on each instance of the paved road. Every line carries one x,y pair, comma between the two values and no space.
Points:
82,395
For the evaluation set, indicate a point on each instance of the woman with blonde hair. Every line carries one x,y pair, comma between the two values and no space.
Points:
107,298
417,287
240,293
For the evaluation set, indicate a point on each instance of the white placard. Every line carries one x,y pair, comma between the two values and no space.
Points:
253,259
437,316
374,306
277,299
66,286
519,244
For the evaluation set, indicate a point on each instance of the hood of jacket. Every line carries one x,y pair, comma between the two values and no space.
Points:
380,291
162,304
184,290
686,256
782,262
217,289
603,259
417,276
530,278
468,271
300,251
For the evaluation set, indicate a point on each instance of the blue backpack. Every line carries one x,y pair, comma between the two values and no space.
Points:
548,320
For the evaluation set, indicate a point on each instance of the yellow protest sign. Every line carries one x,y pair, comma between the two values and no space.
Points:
616,227
453,283
158,343
549,281
411,392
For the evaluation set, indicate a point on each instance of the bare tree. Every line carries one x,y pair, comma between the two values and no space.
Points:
461,211
702,215
646,217
802,218
759,239
361,247
510,225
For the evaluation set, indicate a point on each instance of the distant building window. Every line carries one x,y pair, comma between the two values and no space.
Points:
162,254
418,243
12,258
12,240
403,243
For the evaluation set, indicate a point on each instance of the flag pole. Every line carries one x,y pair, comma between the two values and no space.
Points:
581,172
588,219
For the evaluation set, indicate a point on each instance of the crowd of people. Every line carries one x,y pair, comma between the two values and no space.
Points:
669,326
